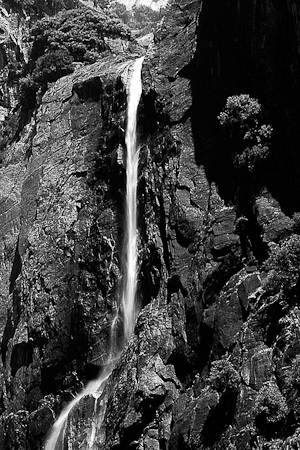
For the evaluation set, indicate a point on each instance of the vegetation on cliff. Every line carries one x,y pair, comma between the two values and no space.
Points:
283,268
57,42
74,35
242,118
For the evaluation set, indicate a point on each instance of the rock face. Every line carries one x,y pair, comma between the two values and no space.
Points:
209,337
61,227
13,54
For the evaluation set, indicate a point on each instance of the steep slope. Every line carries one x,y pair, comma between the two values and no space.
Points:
212,341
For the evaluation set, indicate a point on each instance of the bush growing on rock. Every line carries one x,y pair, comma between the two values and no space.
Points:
75,35
284,266
81,32
223,376
270,405
52,66
242,118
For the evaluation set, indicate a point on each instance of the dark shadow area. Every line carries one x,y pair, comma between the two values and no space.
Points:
183,368
219,419
89,90
12,322
248,47
21,356
52,378
16,269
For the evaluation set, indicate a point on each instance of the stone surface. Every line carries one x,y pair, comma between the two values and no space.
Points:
203,235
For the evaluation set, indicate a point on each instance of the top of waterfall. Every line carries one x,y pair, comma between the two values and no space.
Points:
156,5
128,68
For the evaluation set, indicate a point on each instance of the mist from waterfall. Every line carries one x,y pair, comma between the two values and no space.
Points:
127,310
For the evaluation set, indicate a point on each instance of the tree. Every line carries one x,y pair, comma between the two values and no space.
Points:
80,31
270,405
53,65
57,41
283,266
241,117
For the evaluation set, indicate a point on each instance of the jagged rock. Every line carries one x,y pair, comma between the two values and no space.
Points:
223,230
232,308
274,223
62,190
190,422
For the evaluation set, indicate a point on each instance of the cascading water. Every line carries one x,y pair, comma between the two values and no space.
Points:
128,298
129,290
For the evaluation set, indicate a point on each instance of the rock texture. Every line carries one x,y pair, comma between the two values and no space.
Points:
210,338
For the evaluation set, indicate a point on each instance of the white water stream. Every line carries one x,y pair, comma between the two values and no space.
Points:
95,388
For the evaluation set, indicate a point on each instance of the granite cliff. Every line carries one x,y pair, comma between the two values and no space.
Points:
214,359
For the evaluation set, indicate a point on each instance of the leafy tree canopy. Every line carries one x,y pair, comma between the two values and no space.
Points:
270,405
241,117
81,32
284,266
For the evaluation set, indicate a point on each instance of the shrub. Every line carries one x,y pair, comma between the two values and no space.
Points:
270,405
72,35
241,117
53,65
284,266
240,109
223,376
78,31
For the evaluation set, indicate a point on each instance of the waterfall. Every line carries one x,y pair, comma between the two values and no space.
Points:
127,308
129,291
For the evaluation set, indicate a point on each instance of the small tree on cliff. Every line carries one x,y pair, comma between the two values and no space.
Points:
250,138
270,405
283,268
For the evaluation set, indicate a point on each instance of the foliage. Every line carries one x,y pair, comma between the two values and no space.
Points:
71,35
270,405
223,376
52,66
139,17
284,266
81,32
241,117
241,110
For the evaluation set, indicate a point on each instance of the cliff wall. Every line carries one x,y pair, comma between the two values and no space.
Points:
209,336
